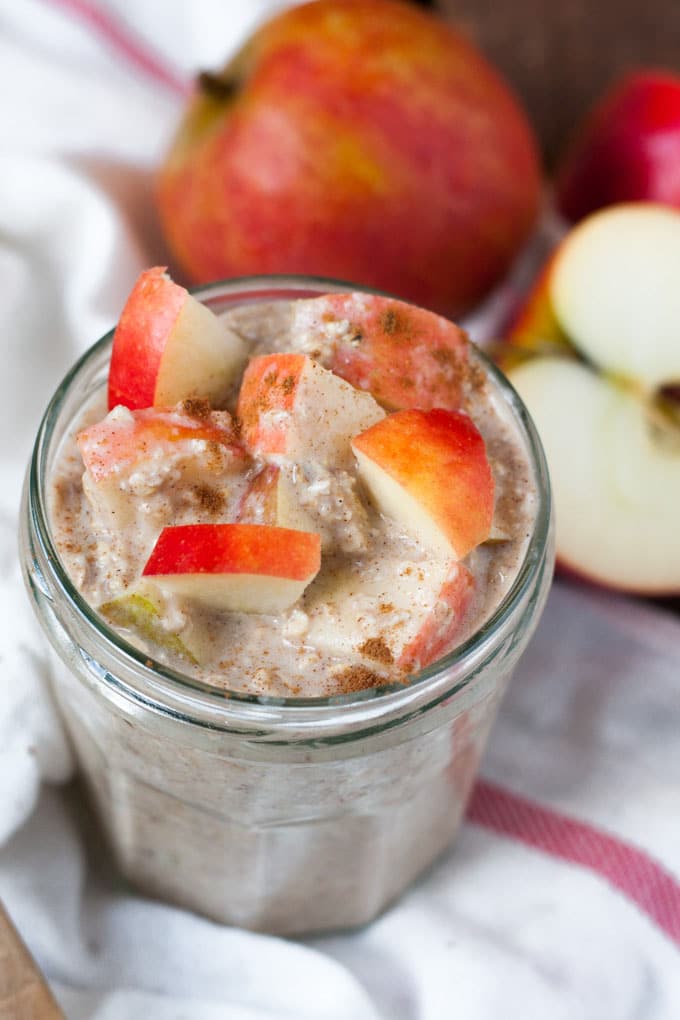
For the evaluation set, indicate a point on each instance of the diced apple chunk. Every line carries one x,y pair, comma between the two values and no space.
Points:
394,613
291,406
124,438
142,610
271,499
168,346
309,498
247,568
137,452
405,356
429,471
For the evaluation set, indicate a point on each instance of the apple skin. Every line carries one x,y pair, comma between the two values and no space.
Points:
148,319
250,568
534,329
357,139
404,356
627,149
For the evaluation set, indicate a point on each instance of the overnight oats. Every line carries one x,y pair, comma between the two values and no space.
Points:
289,542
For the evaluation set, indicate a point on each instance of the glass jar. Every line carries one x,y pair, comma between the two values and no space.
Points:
283,815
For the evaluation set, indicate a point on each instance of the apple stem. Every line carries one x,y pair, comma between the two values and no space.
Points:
670,392
215,87
664,412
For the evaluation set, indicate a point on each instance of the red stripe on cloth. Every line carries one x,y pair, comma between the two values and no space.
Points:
120,39
624,866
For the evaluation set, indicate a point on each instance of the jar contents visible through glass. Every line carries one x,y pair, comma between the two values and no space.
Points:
294,498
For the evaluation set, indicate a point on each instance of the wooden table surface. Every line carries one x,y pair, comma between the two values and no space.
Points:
24,994
559,55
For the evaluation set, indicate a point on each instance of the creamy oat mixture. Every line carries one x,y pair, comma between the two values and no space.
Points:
377,582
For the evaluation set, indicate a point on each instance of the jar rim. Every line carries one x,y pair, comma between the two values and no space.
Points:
168,690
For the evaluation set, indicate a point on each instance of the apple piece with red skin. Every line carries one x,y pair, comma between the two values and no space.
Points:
290,406
608,413
627,149
238,568
362,140
168,346
437,633
429,471
113,446
398,614
403,355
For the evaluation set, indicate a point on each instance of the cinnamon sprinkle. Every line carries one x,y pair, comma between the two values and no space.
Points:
211,501
389,321
376,648
358,678
196,407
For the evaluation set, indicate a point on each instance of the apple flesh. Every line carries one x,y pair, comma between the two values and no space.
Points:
615,289
168,346
628,148
429,471
291,406
363,140
605,403
403,355
616,484
238,568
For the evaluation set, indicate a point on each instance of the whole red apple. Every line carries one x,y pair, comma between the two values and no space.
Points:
627,149
358,139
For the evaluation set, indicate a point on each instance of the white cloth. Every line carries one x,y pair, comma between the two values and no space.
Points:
591,726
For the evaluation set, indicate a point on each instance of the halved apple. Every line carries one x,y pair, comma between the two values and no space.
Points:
615,288
290,405
168,346
405,356
429,471
608,413
615,476
246,568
